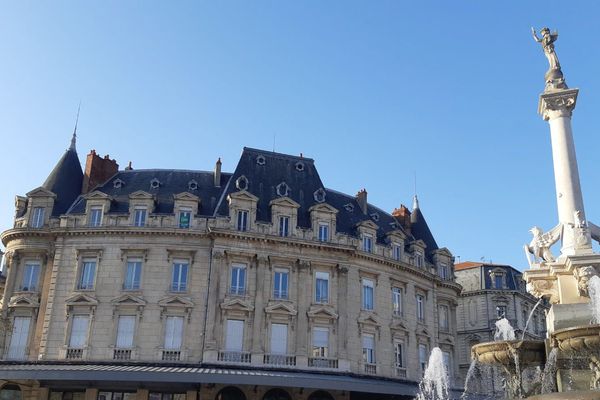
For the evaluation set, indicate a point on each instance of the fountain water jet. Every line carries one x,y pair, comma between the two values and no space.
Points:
435,382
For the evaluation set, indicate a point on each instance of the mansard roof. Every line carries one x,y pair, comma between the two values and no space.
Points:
65,181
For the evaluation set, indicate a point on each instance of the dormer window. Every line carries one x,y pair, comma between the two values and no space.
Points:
498,278
154,183
284,226
185,217
241,183
118,183
443,271
37,218
375,217
396,251
193,185
139,216
95,217
367,243
419,261
283,189
261,160
323,232
319,195
242,220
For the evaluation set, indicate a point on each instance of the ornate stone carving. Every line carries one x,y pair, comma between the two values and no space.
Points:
558,104
541,243
544,288
554,76
583,276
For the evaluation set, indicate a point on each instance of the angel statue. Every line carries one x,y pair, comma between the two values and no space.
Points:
547,40
541,243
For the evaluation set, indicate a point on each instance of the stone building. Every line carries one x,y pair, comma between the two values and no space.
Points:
491,291
256,284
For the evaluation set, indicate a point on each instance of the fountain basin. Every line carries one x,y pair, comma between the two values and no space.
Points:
529,352
577,338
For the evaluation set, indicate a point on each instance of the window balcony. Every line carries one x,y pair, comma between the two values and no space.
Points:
74,354
400,372
279,359
122,354
322,362
171,355
370,368
234,357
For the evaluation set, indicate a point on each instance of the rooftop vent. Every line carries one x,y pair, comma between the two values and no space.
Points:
154,183
261,160
241,183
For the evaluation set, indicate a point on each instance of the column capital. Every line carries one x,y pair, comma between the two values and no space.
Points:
559,103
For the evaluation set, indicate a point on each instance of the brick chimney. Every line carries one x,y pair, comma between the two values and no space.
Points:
97,170
402,215
217,174
361,198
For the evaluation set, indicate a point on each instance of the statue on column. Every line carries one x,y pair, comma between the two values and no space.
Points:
554,76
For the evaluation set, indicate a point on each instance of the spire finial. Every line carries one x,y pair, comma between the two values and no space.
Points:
415,202
74,138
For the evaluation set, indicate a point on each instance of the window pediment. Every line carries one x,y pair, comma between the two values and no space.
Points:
24,301
396,234
41,192
284,202
368,224
423,332
97,195
281,308
242,195
419,243
369,319
322,312
237,305
398,326
141,195
324,208
186,196
175,301
128,300
81,299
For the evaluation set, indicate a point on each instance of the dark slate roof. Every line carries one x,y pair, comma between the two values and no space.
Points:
420,230
513,277
171,182
65,181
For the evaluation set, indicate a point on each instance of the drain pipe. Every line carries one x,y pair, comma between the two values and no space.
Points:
210,262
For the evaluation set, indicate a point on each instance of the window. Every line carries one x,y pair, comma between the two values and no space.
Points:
399,355
242,220
501,311
369,349
133,274
79,331
498,281
185,218
447,364
166,396
323,232
367,294
443,271
31,275
139,216
87,275
397,301
173,333
238,279
19,338
396,251
279,339
322,287
234,339
444,318
179,279
422,357
419,259
280,284
117,395
420,307
37,218
320,342
125,331
95,216
284,226
367,243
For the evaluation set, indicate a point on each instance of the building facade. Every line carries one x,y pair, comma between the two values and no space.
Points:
256,284
491,291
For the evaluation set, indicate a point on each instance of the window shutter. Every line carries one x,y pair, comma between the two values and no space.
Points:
79,330
18,340
125,331
235,335
320,337
173,333
278,339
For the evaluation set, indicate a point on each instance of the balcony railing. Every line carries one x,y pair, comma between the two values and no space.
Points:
279,359
400,372
74,354
171,355
122,354
234,356
370,368
322,362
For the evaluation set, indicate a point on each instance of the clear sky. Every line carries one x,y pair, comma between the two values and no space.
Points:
374,91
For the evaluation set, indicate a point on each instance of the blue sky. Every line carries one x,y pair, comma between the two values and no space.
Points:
375,92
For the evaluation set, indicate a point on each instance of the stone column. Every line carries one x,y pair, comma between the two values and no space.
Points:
12,263
304,296
258,336
212,301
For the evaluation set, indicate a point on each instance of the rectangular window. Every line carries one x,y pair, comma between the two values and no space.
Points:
444,318
396,251
242,220
133,274
368,349
139,216
31,276
422,357
443,271
322,287
234,339
125,331
320,342
95,216
399,355
185,218
419,259
179,279
447,364
79,331
280,284
420,307
88,274
19,338
37,218
498,281
116,396
397,301
367,294
367,243
173,333
323,232
284,226
238,279
279,338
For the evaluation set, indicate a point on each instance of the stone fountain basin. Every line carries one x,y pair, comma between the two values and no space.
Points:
577,338
530,352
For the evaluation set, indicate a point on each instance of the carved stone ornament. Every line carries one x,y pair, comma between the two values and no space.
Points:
558,104
583,276
544,288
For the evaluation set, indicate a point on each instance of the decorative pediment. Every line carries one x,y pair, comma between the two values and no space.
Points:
128,300
322,312
444,252
323,207
419,243
369,319
398,326
24,301
237,305
284,202
176,304
81,299
186,196
141,195
41,192
97,195
423,332
396,233
367,224
242,195
281,308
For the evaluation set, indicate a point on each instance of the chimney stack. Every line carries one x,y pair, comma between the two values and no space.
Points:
217,174
361,198
97,171
402,215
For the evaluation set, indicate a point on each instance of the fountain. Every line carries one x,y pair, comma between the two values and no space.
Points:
435,382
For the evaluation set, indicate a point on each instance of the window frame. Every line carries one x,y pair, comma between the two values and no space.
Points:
132,286
181,338
137,212
368,296
86,334
397,306
242,220
182,212
420,307
96,216
396,251
133,330
38,215
319,298
368,352
237,290
177,286
320,351
27,286
367,242
399,362
87,285
284,225
279,293
323,234
423,356
446,314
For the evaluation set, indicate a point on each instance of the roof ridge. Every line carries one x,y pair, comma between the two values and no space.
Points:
268,152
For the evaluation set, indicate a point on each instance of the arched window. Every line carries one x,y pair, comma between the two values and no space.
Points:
10,392
320,395
277,394
230,393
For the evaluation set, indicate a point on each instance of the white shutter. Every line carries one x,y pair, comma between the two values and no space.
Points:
173,333
125,330
321,337
235,335
18,340
368,342
79,331
278,339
